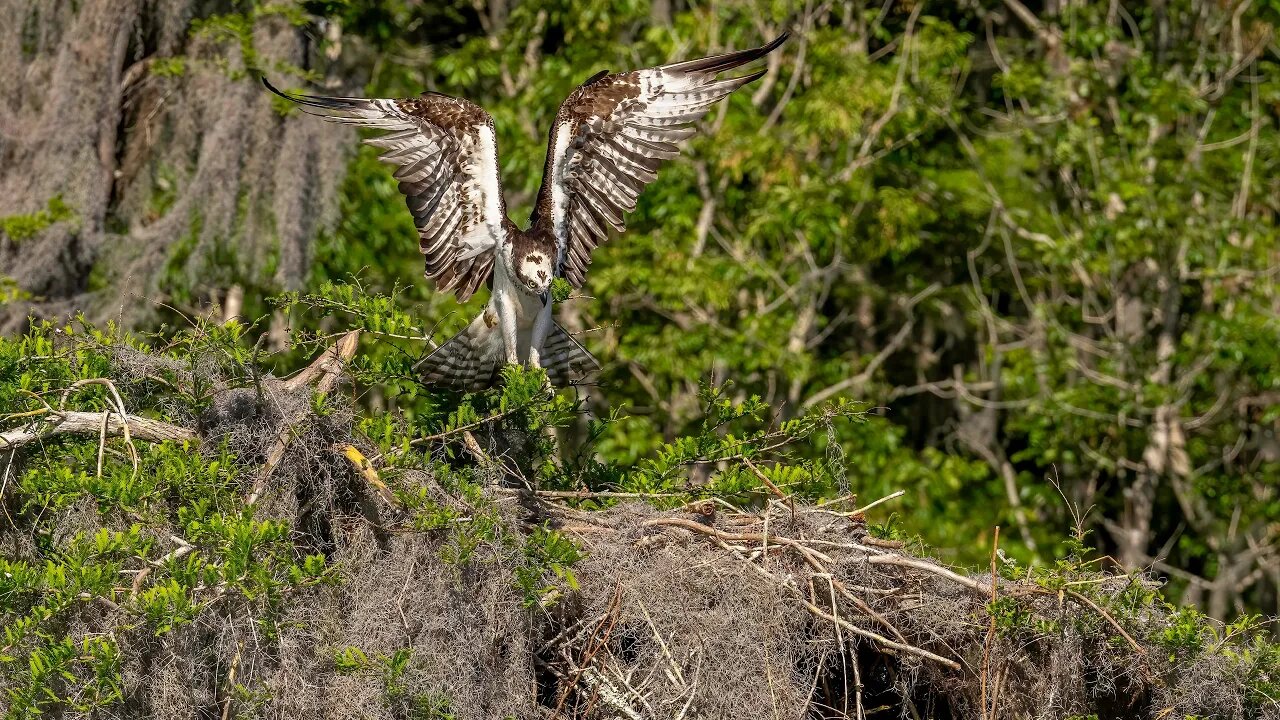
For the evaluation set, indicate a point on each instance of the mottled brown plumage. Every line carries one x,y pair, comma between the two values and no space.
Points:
607,143
609,139
439,145
449,113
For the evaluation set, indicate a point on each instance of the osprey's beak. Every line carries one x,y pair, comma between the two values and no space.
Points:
546,297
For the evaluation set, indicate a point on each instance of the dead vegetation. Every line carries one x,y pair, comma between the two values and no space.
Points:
449,594
139,122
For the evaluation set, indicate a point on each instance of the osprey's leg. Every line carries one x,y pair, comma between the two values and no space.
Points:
507,325
541,328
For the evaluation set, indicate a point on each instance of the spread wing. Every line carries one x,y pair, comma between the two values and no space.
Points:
609,139
448,173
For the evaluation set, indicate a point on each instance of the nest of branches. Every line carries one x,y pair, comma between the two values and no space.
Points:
711,611
478,602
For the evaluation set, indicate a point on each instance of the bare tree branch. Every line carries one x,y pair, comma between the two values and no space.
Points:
90,424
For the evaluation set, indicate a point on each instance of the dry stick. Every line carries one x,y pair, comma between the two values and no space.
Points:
857,684
791,503
882,543
768,676
115,395
231,679
811,556
894,496
30,413
184,548
693,688
813,687
875,558
844,664
90,423
587,494
1098,609
4,483
473,446
899,560
573,628
833,501
764,540
611,618
662,643
328,368
867,609
408,578
720,537
1050,35
878,638
991,630
102,440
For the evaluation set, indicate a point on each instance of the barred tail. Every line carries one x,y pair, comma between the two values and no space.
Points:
565,360
469,361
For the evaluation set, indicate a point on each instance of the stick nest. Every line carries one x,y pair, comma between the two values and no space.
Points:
452,600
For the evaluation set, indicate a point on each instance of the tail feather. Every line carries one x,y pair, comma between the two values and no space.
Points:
465,362
565,360
471,360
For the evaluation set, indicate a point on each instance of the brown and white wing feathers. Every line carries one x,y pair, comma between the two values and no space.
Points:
447,166
609,139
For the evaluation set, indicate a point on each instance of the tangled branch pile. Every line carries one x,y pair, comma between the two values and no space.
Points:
709,611
260,553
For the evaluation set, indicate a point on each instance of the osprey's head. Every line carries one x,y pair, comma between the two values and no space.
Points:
533,270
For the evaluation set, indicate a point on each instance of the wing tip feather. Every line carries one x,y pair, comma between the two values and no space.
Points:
730,60
319,101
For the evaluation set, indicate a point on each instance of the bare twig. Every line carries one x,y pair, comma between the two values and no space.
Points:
892,496
1107,616
231,681
90,423
991,629
589,494
878,638
791,503
325,371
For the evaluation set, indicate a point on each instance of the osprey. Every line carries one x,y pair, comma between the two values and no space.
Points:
607,142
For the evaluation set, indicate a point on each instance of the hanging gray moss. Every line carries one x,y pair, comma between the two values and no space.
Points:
145,122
